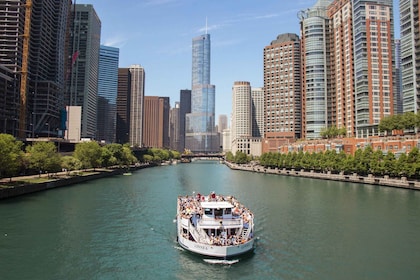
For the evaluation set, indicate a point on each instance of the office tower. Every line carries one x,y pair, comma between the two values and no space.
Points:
398,78
123,105
200,134
184,109
282,92
32,59
410,54
107,93
373,63
138,76
315,60
174,135
83,81
156,122
243,106
222,123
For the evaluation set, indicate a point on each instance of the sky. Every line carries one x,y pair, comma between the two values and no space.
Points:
157,34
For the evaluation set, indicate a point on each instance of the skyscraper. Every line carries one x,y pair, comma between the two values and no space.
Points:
314,36
373,63
107,93
410,54
138,77
33,59
282,91
200,133
156,122
83,82
123,105
174,124
247,112
184,109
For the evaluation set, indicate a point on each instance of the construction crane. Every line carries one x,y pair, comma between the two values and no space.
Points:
24,70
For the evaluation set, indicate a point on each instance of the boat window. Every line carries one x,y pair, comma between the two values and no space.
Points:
208,211
218,212
228,211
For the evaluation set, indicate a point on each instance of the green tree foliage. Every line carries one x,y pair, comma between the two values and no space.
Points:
10,155
89,154
70,163
229,156
43,157
332,132
408,120
363,162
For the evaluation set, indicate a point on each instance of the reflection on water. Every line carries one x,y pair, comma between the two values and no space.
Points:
122,228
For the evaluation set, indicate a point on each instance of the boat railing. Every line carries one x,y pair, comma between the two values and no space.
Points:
216,223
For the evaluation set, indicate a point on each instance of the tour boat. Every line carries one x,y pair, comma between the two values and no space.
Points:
214,225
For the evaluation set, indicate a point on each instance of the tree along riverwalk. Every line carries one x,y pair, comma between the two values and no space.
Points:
353,178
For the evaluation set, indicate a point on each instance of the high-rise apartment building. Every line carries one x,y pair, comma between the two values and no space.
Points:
200,133
282,92
398,78
373,63
247,112
107,93
257,103
33,59
184,109
410,54
315,32
123,105
138,77
83,81
156,122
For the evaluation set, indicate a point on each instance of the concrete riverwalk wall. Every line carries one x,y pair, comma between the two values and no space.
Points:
353,178
61,181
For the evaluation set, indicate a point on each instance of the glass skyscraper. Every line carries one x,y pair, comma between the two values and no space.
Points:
107,93
200,135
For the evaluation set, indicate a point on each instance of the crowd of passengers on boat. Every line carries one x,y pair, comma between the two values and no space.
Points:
190,208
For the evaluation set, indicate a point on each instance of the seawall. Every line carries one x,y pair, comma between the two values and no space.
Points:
14,191
353,178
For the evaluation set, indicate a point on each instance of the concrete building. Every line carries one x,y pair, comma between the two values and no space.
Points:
83,82
123,105
200,135
137,78
241,133
73,123
282,92
33,61
174,127
107,93
156,122
410,54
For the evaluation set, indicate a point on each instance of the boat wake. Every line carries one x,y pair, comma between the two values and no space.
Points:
215,261
179,248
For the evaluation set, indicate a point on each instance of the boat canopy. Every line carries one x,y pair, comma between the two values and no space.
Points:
216,204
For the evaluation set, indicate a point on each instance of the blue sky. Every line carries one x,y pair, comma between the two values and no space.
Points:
157,34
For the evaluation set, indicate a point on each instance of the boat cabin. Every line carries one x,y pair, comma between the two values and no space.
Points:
217,210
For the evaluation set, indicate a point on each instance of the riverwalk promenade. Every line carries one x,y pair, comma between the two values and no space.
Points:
353,178
16,186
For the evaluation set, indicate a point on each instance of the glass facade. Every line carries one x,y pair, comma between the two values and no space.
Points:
200,134
107,93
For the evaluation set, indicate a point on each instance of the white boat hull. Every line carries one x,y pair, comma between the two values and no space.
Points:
216,251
